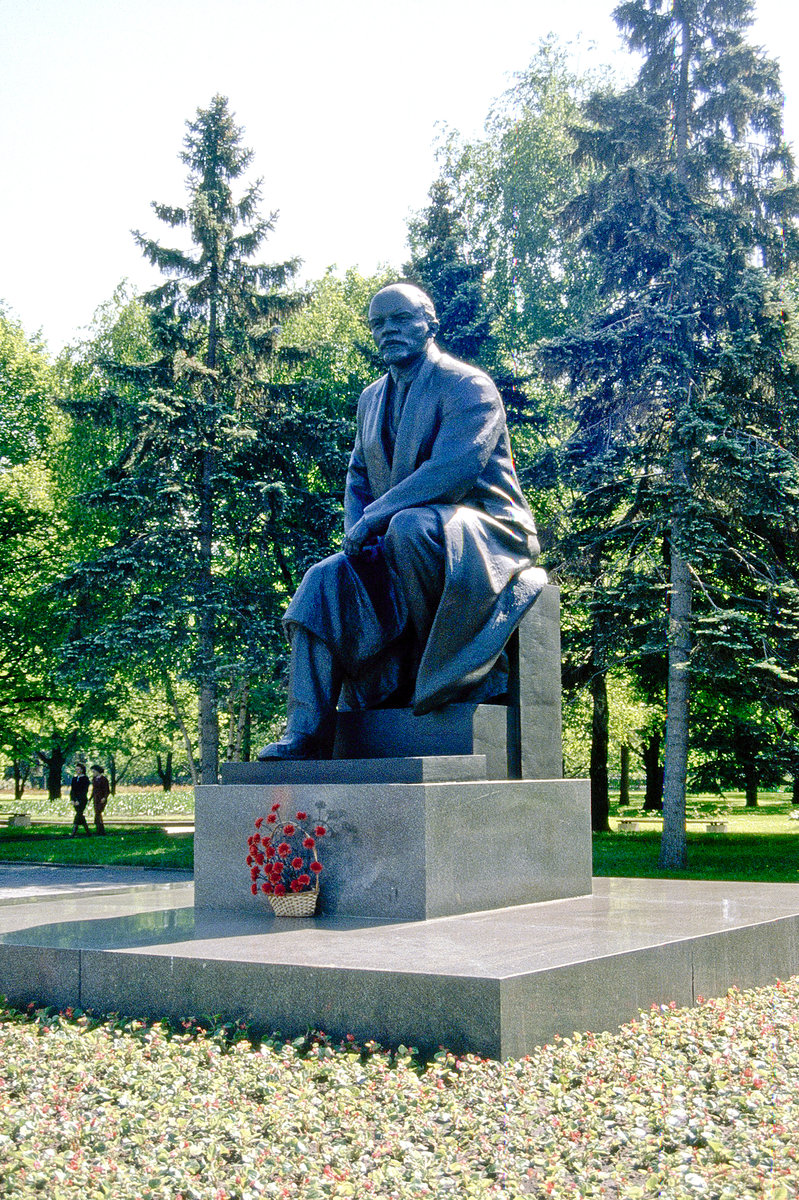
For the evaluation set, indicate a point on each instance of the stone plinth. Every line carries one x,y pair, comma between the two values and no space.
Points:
407,851
520,739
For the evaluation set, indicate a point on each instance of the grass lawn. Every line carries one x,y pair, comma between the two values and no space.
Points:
761,843
768,858
147,846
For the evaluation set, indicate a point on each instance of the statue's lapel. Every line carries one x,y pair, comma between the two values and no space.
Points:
418,415
378,462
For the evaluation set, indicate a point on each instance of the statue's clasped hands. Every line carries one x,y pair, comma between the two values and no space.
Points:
355,541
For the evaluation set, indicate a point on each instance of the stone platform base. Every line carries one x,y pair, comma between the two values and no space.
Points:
494,983
409,850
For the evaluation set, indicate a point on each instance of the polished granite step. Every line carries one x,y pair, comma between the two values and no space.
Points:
497,983
439,768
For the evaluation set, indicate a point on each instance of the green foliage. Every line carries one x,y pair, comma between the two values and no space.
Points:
34,699
219,486
441,265
508,188
27,412
678,1103
682,464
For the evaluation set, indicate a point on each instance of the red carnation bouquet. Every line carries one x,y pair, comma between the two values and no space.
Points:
283,858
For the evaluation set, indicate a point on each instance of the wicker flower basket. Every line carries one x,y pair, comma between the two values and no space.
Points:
295,904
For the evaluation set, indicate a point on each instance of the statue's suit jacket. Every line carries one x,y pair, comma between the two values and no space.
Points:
451,454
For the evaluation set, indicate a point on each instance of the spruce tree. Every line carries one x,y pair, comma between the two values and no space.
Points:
441,264
222,491
681,373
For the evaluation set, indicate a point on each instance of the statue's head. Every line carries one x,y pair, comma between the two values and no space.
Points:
403,320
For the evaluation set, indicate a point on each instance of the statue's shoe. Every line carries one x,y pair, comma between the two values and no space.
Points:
291,748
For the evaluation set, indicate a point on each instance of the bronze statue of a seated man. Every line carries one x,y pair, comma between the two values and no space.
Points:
437,564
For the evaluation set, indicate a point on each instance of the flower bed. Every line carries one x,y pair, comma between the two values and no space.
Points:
700,1102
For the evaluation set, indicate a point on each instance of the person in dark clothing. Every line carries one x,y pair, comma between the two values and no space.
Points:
101,790
79,795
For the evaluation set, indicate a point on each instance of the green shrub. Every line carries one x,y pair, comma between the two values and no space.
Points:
682,1103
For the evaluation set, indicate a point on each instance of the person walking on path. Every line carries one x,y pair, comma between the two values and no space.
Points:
101,789
79,795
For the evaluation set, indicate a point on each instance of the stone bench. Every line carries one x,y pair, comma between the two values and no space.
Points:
520,740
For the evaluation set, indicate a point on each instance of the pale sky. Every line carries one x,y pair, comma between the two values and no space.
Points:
341,101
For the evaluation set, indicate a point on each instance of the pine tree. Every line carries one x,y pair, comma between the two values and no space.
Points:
223,489
682,370
440,263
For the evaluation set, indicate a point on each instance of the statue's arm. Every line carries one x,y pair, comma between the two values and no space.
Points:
471,424
357,492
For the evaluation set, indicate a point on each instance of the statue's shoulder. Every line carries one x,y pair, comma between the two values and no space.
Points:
456,373
372,391
370,398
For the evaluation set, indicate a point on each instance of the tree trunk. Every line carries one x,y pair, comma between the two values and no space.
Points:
600,791
208,709
750,779
673,847
55,769
165,773
246,737
624,776
21,772
653,796
244,713
112,774
795,792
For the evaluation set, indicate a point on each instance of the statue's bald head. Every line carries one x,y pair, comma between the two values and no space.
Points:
403,322
415,295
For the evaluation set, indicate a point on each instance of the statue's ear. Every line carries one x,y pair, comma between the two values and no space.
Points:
433,326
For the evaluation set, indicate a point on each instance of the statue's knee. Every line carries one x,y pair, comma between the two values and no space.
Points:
321,576
407,527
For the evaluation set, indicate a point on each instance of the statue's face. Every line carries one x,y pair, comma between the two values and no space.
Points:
400,326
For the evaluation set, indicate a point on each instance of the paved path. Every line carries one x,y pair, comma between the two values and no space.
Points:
34,881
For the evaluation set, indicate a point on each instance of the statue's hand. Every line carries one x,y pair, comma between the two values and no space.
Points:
356,538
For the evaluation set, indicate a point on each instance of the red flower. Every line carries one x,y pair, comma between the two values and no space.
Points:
253,872
255,840
259,823
289,829
316,867
320,831
271,818
266,888
275,807
283,849
301,816
249,860
280,889
296,863
254,889
309,843
295,885
304,880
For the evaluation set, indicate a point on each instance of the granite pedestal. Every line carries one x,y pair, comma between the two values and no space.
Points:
405,851
495,983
